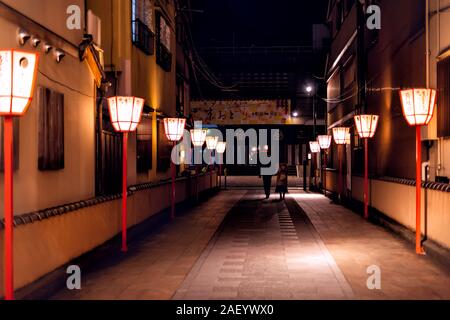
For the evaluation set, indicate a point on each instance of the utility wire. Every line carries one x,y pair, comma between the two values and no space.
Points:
64,85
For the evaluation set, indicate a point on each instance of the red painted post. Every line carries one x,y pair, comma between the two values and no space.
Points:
340,171
325,173
9,215
196,184
220,176
173,169
419,248
124,191
366,179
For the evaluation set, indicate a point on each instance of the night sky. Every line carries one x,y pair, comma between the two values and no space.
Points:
256,22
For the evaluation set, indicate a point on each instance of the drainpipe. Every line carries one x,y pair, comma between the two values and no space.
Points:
438,43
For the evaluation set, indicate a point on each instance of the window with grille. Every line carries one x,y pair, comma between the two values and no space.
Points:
163,43
143,36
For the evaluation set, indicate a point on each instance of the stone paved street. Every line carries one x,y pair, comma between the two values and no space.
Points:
303,248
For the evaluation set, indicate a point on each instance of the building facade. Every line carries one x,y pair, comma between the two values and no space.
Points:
67,157
366,70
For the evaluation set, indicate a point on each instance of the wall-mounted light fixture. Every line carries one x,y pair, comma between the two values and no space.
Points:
48,48
59,55
35,42
23,36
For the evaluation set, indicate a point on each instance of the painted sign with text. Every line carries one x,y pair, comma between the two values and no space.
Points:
235,112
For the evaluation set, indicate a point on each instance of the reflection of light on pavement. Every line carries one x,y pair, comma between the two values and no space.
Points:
306,196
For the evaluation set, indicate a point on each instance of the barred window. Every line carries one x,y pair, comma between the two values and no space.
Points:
142,10
164,32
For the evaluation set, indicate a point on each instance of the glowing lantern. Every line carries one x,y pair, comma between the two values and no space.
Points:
314,146
125,113
198,137
324,141
348,138
174,128
17,81
211,142
418,108
340,135
366,125
221,146
418,105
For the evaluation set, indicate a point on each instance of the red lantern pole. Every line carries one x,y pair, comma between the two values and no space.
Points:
419,248
324,173
340,171
9,215
172,167
124,191
220,175
366,178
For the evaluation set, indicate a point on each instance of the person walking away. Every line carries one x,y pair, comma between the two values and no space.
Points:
267,181
282,181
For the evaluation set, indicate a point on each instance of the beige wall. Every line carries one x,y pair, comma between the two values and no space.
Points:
34,189
52,15
143,77
44,246
398,202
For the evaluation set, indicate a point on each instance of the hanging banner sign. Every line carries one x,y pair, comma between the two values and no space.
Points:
236,112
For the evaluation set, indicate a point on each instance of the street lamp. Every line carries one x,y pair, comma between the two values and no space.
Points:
366,125
174,129
125,113
220,149
324,143
418,108
340,135
315,149
17,81
198,138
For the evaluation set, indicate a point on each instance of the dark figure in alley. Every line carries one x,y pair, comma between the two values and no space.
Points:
282,181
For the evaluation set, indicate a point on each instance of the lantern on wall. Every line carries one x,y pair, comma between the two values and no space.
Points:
340,135
18,71
418,107
366,125
324,141
314,146
174,128
198,137
125,114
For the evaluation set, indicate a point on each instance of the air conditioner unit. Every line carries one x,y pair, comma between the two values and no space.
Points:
94,27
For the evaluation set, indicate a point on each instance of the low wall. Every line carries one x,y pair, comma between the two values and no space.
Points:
45,241
397,201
